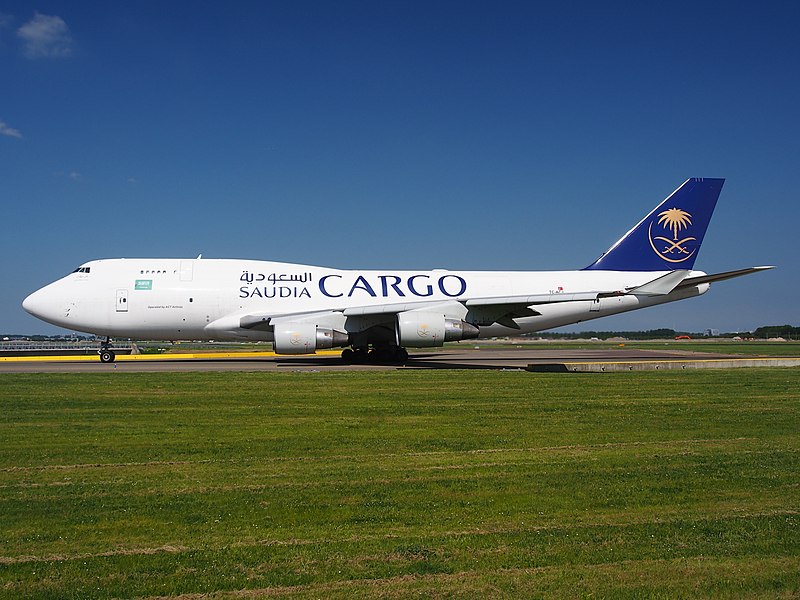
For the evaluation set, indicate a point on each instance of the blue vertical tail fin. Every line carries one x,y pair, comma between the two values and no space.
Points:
669,237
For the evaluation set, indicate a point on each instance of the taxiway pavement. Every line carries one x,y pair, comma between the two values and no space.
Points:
449,358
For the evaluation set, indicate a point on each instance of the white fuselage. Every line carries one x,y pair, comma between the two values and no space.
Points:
203,299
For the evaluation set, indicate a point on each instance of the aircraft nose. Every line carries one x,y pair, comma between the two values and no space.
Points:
39,304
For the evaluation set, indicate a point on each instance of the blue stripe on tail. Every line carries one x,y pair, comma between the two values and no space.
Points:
670,236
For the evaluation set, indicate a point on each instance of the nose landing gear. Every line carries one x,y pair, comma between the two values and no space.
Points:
106,353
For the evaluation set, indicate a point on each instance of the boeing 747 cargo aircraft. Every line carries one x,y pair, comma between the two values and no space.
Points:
375,315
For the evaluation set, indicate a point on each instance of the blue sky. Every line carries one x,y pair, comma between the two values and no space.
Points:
516,135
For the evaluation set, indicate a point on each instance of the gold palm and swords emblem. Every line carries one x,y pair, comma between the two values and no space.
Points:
675,220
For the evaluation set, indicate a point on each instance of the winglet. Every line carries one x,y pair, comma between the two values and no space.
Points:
669,237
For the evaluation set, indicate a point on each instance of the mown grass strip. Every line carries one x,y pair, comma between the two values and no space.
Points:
400,483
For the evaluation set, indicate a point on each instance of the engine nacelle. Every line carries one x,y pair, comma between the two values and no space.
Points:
306,338
425,330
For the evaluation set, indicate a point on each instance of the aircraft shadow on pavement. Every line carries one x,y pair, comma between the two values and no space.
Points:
417,361
483,361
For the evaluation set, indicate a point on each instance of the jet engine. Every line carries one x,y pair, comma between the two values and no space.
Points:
306,338
426,329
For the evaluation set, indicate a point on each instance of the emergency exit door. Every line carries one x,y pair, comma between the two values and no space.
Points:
122,300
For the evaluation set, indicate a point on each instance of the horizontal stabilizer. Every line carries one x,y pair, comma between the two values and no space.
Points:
661,286
722,276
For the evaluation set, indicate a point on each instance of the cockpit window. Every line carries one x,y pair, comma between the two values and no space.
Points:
82,270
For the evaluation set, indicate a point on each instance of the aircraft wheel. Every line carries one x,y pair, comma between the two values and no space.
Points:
401,355
348,356
360,356
107,356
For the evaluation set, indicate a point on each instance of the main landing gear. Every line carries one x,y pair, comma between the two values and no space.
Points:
106,353
379,355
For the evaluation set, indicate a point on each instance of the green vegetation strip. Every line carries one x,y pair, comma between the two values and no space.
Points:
408,483
748,349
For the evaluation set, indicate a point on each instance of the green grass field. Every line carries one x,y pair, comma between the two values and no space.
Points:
759,348
720,347
401,483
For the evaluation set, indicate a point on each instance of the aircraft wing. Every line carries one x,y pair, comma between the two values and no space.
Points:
262,320
530,300
484,311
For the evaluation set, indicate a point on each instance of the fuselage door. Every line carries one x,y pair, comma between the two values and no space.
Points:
122,300
187,269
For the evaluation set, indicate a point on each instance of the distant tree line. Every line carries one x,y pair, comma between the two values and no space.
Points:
47,338
787,332
771,331
650,334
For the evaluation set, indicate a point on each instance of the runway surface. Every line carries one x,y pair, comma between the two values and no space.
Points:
455,358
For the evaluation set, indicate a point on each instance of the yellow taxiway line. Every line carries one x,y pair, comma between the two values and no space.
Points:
130,357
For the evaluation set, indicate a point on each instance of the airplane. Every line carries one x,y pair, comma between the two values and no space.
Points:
376,315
